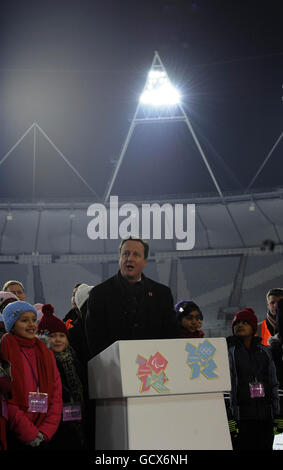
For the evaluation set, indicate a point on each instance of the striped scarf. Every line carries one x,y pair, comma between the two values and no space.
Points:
66,360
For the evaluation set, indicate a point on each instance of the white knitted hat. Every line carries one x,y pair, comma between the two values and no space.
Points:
82,294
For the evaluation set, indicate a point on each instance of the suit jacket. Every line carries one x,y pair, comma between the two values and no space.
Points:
114,313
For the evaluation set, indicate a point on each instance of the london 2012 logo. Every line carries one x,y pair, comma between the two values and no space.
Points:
200,360
151,373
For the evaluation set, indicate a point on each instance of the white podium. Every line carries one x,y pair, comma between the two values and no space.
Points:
161,394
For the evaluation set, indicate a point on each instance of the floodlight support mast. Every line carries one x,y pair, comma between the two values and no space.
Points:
34,162
186,119
201,152
35,128
265,161
123,151
124,147
181,117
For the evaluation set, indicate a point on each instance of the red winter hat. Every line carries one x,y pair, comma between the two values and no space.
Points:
49,323
247,315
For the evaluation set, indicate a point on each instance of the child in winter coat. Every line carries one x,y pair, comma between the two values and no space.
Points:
34,409
71,432
189,318
254,402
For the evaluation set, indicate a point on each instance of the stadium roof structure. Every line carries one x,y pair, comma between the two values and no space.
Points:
48,231
237,254
69,98
227,223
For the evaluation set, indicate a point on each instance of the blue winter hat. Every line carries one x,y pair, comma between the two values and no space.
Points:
14,310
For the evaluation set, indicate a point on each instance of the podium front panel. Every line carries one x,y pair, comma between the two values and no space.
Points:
161,394
187,422
160,367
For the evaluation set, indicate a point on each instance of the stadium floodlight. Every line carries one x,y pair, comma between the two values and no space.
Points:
159,102
159,91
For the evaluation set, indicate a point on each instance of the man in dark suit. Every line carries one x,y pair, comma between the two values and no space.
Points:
129,305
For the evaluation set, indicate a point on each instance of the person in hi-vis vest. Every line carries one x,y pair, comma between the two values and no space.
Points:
268,327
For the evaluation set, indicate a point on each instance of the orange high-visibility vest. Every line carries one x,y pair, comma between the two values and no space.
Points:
263,332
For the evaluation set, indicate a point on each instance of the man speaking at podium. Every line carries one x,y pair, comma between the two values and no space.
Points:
129,305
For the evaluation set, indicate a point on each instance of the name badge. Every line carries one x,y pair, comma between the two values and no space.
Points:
256,390
72,413
38,402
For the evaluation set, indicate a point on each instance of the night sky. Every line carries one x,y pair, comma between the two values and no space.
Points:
77,68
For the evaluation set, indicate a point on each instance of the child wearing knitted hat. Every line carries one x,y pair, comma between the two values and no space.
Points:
34,409
71,432
5,299
254,402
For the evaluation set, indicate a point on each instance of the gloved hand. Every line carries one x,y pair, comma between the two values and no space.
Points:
277,426
233,428
37,440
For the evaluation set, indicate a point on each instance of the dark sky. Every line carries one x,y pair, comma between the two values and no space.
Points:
76,68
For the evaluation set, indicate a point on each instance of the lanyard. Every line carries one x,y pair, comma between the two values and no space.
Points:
255,367
33,373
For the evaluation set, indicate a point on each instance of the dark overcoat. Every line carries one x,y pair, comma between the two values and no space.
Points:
119,312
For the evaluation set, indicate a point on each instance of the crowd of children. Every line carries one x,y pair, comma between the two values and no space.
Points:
43,379
35,401
43,373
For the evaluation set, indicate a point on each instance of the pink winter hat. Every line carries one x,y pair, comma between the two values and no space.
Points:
6,295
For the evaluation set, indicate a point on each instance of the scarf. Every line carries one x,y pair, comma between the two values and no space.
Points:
272,321
67,363
5,379
11,351
185,334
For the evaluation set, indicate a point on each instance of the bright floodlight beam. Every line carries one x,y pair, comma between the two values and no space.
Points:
159,91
